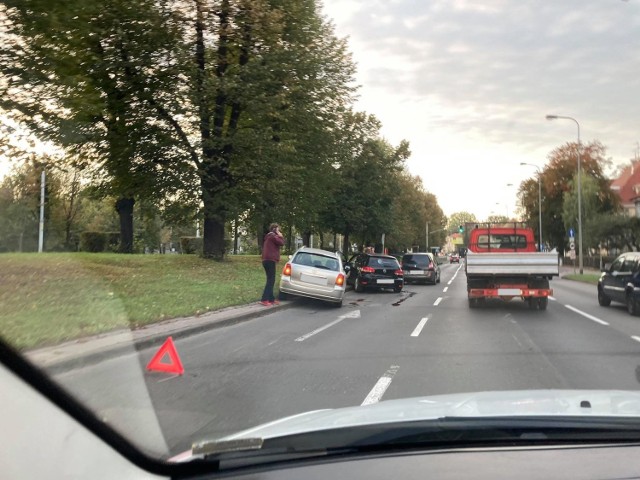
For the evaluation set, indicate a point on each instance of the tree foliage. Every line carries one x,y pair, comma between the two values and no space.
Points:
557,178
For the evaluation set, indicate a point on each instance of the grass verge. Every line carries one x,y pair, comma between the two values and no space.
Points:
586,278
49,298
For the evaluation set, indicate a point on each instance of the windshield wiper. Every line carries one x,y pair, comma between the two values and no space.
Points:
420,435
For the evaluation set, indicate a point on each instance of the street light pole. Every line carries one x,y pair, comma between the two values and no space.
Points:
580,261
539,203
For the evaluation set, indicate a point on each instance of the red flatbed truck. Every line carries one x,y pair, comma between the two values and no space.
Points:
502,262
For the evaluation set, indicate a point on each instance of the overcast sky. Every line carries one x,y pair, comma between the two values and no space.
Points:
468,84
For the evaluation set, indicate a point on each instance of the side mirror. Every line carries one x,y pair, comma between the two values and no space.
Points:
290,257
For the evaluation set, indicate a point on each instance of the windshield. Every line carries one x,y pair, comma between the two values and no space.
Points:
161,163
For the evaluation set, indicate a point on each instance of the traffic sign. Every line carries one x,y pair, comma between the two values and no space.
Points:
572,232
572,254
572,246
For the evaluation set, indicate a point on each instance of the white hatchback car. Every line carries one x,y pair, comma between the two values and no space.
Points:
314,273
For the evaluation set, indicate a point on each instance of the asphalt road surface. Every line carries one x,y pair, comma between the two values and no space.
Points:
378,346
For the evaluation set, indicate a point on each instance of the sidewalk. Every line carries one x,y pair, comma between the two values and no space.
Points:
87,350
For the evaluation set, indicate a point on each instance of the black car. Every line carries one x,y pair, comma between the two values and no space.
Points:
620,282
420,267
375,271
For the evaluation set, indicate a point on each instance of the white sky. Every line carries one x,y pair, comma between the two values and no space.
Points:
468,84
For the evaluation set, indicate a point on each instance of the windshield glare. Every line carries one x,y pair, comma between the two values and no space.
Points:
182,183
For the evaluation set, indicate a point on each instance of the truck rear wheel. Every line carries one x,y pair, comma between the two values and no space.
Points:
543,302
533,303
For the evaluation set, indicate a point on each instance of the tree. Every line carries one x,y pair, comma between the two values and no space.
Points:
556,180
459,218
591,207
88,77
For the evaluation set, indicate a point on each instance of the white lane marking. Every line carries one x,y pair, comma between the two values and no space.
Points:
637,339
444,290
552,298
586,315
381,386
437,302
354,314
420,326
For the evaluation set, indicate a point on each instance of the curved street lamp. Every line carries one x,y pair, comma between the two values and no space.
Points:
539,202
580,262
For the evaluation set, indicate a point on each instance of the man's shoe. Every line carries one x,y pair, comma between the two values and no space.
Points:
266,303
276,302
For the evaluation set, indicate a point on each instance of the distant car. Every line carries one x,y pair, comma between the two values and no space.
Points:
314,273
367,270
420,267
620,282
454,258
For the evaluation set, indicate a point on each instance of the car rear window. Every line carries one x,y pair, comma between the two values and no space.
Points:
383,262
317,261
420,260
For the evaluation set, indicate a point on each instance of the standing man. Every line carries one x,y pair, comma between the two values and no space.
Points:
270,256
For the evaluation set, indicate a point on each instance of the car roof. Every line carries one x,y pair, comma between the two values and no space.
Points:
319,251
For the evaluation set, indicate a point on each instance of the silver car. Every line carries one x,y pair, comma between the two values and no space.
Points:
314,273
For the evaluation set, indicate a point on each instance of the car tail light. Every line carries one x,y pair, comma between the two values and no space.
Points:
430,266
340,280
399,273
286,271
368,269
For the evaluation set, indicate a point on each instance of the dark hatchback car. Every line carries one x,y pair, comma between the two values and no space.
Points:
620,282
370,270
420,267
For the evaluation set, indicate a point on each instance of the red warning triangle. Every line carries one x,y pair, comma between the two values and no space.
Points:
174,365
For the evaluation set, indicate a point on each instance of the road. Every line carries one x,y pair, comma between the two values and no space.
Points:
378,346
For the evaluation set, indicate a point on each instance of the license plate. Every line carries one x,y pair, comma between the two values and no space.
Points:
509,291
313,279
385,282
416,272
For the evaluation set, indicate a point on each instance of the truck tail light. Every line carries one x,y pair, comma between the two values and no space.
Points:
286,271
340,280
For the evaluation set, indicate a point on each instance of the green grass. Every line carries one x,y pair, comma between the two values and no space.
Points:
48,298
586,278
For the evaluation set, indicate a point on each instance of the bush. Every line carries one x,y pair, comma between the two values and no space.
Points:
191,245
94,242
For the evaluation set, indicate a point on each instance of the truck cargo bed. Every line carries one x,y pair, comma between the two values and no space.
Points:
512,263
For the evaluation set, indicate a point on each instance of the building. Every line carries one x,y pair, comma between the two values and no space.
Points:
627,186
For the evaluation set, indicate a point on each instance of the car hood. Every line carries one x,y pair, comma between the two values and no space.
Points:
503,404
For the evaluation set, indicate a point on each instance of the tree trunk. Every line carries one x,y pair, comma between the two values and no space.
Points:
124,207
346,248
306,239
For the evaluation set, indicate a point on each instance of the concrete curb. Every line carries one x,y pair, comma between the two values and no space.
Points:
90,350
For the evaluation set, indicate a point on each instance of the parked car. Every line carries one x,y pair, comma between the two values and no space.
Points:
420,267
314,273
620,282
366,270
454,258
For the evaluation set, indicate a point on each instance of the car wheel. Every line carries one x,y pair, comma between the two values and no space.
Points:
357,286
632,305
543,302
438,279
473,302
337,304
603,300
283,296
397,289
